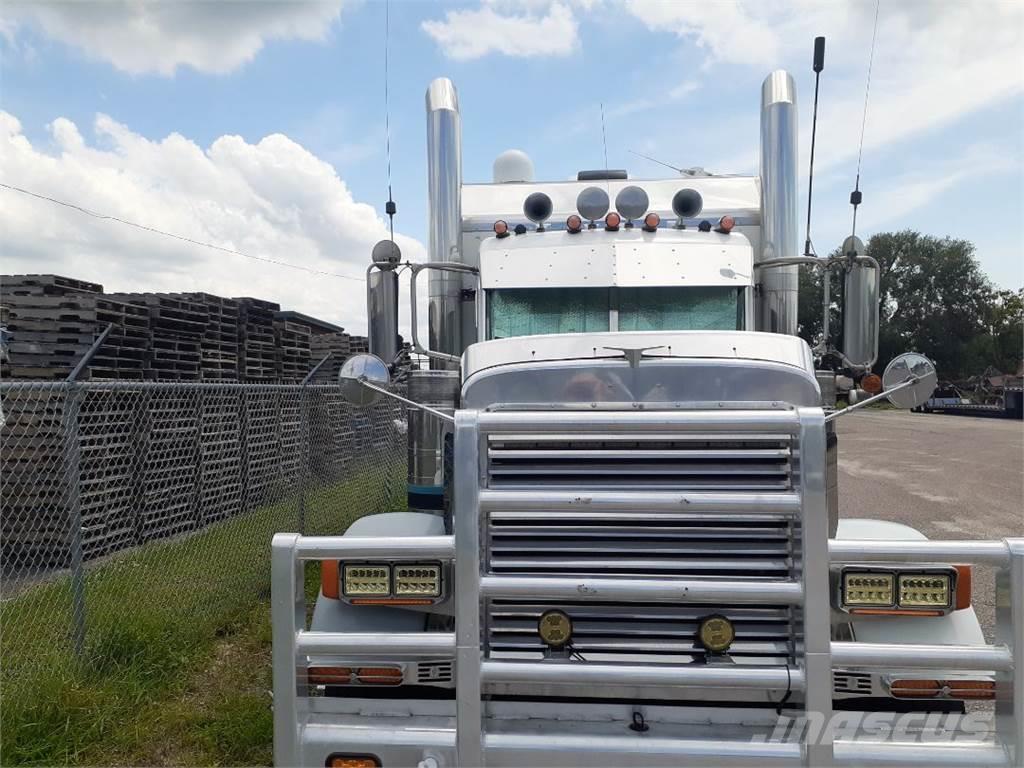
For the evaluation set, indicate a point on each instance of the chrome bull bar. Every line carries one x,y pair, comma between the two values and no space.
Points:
471,744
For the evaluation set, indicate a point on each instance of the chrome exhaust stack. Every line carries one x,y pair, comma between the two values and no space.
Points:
777,304
444,214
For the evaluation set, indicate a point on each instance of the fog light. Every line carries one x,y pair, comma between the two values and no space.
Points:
418,580
367,580
868,588
924,590
716,634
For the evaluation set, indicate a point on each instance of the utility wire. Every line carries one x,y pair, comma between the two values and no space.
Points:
155,231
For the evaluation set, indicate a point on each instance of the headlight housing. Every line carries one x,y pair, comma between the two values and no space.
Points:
912,591
392,583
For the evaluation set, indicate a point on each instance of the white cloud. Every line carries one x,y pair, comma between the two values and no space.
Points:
934,63
910,191
272,199
142,37
524,28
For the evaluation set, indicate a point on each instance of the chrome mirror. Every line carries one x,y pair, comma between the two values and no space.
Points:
362,377
912,366
908,381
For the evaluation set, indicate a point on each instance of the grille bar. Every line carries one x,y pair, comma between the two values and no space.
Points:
640,535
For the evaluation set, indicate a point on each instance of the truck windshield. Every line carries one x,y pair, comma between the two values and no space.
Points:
531,311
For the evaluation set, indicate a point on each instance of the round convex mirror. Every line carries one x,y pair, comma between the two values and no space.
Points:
902,368
358,369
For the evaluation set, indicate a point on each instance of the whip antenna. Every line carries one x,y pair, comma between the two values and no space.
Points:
819,64
855,196
653,160
389,208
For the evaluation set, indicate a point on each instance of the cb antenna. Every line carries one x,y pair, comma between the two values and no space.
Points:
819,64
855,196
655,160
389,208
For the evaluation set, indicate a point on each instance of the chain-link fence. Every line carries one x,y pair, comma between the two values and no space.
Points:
137,513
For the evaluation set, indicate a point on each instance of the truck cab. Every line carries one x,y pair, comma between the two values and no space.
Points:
621,544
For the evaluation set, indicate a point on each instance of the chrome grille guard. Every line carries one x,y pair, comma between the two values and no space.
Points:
470,742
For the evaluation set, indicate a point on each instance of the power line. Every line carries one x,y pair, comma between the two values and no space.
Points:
184,239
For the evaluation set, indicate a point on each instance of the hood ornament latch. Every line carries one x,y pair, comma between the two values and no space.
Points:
634,354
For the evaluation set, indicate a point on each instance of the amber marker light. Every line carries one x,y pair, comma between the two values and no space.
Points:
872,383
352,761
651,222
725,224
573,224
612,222
501,228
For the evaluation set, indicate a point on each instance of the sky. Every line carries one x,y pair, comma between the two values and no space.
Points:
258,126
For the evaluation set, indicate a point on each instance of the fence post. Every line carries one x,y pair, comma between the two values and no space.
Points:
73,402
73,457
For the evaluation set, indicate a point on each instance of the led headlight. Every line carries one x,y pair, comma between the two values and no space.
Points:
418,580
367,580
868,589
925,590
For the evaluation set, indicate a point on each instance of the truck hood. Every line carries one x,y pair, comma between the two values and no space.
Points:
676,367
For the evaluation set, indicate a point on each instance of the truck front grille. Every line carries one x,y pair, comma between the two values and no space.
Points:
642,543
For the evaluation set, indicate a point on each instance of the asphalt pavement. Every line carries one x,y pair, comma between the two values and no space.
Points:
950,477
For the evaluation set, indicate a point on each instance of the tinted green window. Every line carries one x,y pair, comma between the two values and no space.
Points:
531,311
686,308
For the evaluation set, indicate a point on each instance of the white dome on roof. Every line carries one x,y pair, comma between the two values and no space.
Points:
513,165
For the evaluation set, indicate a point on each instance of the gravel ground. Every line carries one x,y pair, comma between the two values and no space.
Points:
950,477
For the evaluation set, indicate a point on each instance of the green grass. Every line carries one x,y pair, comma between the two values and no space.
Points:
177,663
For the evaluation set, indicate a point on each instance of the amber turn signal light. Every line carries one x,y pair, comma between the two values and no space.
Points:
871,383
352,761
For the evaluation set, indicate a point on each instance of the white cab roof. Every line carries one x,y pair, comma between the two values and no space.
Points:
627,258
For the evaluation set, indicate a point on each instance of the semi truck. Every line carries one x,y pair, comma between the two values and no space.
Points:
622,543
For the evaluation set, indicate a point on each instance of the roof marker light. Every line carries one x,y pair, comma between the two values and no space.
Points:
573,224
651,222
725,224
612,222
501,228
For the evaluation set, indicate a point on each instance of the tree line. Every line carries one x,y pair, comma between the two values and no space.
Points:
934,299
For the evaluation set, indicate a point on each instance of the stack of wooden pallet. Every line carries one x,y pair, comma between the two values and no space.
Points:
219,344
338,345
257,360
167,463
220,455
34,522
53,321
108,441
293,350
261,447
177,324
